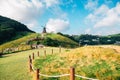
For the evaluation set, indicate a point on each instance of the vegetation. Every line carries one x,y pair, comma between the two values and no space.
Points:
94,39
11,30
49,40
59,40
15,66
18,43
90,61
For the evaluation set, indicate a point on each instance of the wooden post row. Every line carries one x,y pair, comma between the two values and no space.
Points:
37,74
30,62
38,54
33,56
52,51
72,73
60,49
45,53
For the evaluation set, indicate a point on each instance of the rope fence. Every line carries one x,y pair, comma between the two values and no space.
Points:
85,77
54,76
72,74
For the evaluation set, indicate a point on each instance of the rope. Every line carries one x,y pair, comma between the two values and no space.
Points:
85,77
32,67
54,76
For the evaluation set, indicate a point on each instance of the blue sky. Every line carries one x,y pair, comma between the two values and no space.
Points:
99,17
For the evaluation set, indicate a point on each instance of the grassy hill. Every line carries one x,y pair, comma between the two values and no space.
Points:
90,61
20,43
50,39
11,30
60,40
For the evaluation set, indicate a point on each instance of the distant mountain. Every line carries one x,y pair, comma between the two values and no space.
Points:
11,29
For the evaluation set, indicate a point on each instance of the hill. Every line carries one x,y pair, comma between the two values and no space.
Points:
11,29
50,39
59,40
90,61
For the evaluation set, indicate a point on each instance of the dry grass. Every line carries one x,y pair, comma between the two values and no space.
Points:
90,61
117,48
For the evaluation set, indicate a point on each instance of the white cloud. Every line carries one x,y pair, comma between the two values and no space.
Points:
58,12
111,19
57,25
97,14
91,5
50,3
87,31
33,24
104,19
25,11
21,10
29,11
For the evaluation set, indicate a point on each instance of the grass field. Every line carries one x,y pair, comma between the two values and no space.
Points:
14,66
90,61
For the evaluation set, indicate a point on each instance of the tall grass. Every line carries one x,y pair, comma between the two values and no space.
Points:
94,62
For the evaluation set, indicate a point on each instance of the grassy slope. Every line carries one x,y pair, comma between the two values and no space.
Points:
17,42
24,39
61,38
14,66
11,29
91,61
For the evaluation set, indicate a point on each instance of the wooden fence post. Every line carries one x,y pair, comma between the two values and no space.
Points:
52,51
37,74
30,62
33,56
59,49
38,54
72,73
45,53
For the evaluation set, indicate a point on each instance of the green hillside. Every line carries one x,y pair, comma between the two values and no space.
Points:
11,30
60,40
50,39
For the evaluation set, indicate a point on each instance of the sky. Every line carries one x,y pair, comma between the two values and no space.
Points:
97,17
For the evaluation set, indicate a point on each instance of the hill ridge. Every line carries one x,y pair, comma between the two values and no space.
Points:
11,29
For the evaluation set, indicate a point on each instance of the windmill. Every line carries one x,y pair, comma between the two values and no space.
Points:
44,30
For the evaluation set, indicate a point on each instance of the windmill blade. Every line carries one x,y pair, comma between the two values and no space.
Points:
47,28
44,26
